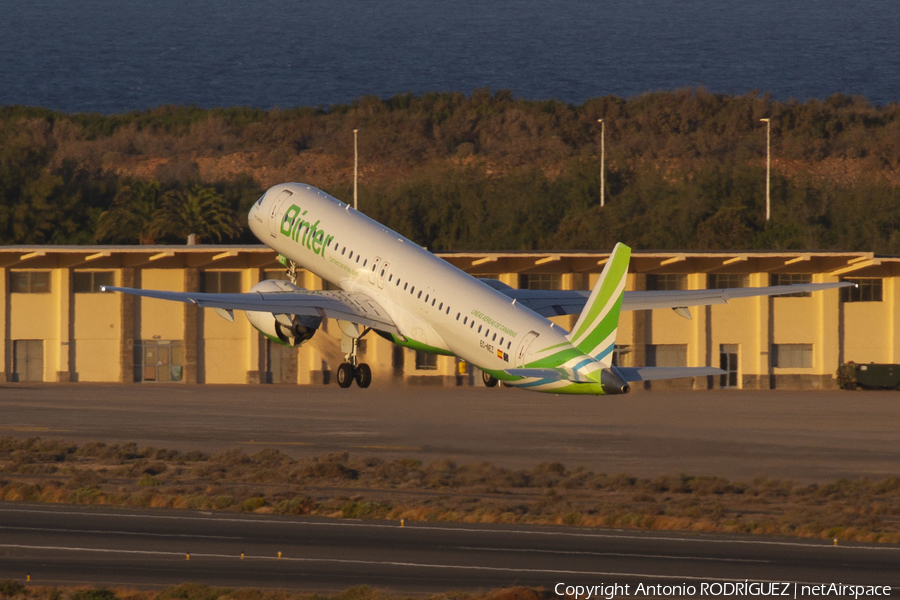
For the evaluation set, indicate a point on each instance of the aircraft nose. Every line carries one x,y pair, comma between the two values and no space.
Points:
254,216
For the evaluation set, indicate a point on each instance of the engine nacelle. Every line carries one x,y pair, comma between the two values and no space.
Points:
290,330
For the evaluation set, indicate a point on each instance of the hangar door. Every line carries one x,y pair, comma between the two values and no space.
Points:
158,360
28,360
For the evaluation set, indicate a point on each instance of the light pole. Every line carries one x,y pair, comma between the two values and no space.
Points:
602,161
768,123
355,169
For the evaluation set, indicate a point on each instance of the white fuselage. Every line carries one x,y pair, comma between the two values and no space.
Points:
435,306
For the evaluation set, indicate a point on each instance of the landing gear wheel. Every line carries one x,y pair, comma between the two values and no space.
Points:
488,379
363,375
345,375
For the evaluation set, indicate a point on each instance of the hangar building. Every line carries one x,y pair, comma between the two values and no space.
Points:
59,327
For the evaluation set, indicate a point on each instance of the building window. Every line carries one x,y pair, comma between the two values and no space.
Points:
90,282
667,355
29,282
667,281
720,281
621,356
425,361
866,290
220,282
541,281
791,279
792,356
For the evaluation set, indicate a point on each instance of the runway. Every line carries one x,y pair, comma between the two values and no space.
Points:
806,436
60,545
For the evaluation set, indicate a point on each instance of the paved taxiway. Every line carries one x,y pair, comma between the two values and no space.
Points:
807,436
59,545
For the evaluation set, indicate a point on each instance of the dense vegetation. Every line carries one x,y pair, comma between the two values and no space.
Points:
686,170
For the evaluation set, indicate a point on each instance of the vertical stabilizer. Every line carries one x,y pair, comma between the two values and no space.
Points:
595,332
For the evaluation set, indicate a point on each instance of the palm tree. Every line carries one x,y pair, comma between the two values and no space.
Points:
129,219
200,210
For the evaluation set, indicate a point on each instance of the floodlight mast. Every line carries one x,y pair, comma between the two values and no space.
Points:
768,123
602,161
355,169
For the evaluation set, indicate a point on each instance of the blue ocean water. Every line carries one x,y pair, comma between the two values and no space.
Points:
115,55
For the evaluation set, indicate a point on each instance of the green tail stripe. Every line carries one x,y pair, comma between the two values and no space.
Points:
609,323
555,360
618,268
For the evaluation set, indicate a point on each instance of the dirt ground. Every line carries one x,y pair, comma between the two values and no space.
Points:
805,436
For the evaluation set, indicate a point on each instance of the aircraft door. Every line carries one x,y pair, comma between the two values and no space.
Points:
375,268
523,348
385,269
277,213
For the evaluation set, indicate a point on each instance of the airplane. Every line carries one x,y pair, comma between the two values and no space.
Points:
394,287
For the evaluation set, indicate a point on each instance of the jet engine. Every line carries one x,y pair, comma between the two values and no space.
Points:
289,330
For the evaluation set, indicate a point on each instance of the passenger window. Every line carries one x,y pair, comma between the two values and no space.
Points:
479,329
365,261
494,339
420,294
465,320
457,316
344,250
351,255
441,306
426,298
501,341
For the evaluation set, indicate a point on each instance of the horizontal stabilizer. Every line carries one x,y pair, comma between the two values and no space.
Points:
653,373
551,375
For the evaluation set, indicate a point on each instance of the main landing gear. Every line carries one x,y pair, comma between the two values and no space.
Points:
347,374
352,370
488,379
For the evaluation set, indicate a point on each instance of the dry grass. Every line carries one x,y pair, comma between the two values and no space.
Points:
187,591
341,485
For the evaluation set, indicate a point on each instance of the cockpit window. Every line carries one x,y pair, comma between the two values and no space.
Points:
259,202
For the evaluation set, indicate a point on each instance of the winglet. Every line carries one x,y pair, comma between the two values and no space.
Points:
595,331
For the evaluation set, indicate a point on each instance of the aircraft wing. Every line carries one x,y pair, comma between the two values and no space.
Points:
552,303
347,306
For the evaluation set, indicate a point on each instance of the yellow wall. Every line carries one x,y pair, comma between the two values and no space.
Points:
865,336
161,319
98,330
36,317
